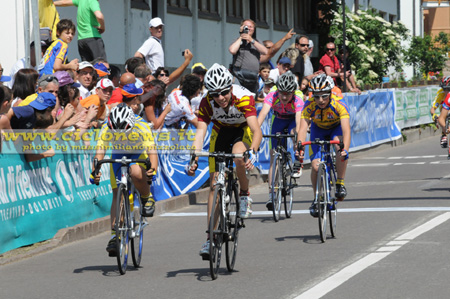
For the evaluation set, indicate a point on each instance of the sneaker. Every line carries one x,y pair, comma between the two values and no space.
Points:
313,211
245,206
148,207
111,247
204,251
297,170
444,141
341,192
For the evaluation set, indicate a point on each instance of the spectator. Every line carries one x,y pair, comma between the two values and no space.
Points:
180,103
162,74
247,51
3,78
115,75
350,80
130,97
102,70
24,85
153,103
143,75
55,57
268,85
283,65
117,95
274,48
104,89
85,78
151,50
46,83
302,45
309,69
304,87
6,99
199,70
91,25
132,63
48,16
264,71
330,64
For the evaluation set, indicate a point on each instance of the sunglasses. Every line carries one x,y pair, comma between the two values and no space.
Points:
1,70
304,45
163,75
83,73
51,78
331,49
220,93
323,96
286,93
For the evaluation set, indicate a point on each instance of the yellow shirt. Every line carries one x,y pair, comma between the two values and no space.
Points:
28,99
329,117
48,16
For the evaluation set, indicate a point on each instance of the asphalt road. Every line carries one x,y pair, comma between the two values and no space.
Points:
392,242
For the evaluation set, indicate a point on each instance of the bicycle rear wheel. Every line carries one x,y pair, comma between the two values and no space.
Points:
121,226
288,191
277,187
321,202
215,235
137,242
232,221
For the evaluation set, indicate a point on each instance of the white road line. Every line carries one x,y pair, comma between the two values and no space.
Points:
348,272
394,158
359,210
370,165
413,163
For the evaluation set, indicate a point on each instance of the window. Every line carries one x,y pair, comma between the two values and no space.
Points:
258,13
180,7
392,18
208,9
302,16
140,4
382,14
280,15
234,11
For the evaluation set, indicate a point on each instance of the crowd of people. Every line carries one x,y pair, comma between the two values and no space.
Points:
90,93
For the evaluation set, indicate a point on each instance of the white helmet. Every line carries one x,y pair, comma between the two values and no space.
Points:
121,118
218,77
287,82
320,83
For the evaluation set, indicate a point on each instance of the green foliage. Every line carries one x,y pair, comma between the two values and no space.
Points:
427,54
373,43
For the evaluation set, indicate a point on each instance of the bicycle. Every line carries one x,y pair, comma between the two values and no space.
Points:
324,198
129,223
282,169
224,223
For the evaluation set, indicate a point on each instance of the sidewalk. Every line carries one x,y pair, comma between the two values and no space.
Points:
92,228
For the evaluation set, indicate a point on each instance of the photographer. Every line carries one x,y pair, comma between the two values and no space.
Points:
246,51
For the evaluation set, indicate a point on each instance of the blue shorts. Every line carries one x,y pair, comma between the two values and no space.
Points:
322,134
115,169
278,126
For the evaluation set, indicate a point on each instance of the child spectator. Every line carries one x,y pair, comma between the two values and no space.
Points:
104,91
6,100
264,70
55,57
304,88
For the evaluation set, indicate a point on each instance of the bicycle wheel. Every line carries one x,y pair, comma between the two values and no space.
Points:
137,242
332,208
288,190
232,221
277,187
215,235
321,202
121,226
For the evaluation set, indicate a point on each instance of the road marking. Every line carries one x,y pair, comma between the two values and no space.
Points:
359,210
348,272
413,163
370,165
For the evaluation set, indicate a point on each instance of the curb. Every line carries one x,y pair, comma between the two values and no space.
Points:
92,228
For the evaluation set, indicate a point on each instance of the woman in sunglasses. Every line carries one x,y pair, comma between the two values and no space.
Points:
162,74
330,119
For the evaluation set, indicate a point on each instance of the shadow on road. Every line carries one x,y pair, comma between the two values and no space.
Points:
202,274
110,270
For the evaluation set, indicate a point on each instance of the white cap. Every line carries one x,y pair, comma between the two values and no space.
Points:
311,44
104,83
84,64
155,22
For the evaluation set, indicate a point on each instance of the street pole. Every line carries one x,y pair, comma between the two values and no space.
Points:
344,49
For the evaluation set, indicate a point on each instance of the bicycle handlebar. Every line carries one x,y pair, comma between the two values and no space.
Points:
321,142
279,135
124,161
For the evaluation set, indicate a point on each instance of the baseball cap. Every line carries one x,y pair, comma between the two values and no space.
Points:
155,22
101,69
284,60
269,81
5,78
199,68
104,83
84,64
130,90
43,101
64,79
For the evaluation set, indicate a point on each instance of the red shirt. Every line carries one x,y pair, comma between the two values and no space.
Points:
332,62
116,96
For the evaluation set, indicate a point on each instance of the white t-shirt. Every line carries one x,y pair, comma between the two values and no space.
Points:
84,92
309,70
195,102
180,108
153,53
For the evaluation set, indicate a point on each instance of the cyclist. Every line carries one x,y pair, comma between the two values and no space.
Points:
122,119
231,108
443,116
438,100
330,120
287,103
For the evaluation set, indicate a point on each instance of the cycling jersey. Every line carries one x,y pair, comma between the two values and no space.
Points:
285,111
58,49
180,107
439,98
329,117
242,106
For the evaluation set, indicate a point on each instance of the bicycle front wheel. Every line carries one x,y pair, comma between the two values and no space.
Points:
232,222
137,242
332,207
121,226
321,202
215,235
277,187
288,193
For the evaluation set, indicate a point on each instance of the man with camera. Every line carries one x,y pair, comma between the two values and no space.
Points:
246,51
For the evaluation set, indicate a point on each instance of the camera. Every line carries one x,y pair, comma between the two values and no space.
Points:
182,53
245,29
